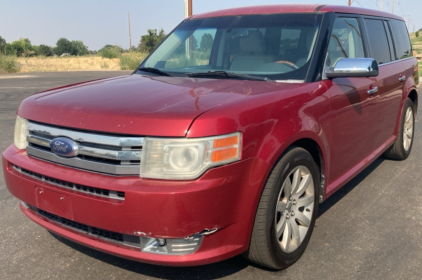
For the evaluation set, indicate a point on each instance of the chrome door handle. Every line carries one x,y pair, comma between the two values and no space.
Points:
402,78
373,90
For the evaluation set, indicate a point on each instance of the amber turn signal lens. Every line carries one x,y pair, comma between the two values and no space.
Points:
225,154
224,142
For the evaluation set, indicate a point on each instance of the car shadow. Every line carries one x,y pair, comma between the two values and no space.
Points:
210,271
343,191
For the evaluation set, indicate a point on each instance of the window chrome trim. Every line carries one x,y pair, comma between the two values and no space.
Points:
84,164
395,61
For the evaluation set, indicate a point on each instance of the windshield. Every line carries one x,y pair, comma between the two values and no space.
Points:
278,47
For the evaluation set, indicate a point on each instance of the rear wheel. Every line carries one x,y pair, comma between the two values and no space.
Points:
286,212
400,150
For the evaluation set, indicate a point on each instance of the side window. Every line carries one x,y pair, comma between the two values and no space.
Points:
345,41
401,39
378,41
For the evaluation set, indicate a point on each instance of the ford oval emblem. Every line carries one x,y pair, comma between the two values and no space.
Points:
64,147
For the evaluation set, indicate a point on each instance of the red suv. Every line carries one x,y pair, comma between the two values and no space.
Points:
224,140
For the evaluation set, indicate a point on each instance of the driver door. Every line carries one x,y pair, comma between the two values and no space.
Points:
353,112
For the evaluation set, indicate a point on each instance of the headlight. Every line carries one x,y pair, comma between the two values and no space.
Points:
21,132
186,159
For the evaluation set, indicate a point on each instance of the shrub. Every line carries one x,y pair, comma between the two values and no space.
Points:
8,64
109,53
131,61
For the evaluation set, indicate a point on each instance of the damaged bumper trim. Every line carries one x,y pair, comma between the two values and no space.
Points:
171,246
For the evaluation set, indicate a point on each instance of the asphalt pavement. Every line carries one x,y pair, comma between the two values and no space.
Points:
370,229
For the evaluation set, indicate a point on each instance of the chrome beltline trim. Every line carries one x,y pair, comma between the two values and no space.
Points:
84,164
396,61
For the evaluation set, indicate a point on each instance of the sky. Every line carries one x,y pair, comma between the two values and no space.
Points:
102,22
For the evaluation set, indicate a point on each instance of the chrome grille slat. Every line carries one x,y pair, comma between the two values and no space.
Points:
87,137
84,164
115,155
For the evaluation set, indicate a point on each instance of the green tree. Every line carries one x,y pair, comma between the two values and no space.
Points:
206,41
417,34
44,50
22,47
63,45
151,40
78,48
2,45
9,50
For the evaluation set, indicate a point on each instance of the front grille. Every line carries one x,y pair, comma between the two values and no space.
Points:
129,240
72,186
102,153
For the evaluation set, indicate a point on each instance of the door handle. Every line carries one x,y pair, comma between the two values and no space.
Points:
373,90
402,78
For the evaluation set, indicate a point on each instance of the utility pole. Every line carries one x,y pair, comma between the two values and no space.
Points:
130,36
188,8
392,10
350,2
382,2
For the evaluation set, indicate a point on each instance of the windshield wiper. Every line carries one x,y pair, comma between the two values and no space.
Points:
153,70
226,75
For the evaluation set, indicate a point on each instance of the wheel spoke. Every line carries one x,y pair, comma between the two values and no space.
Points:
281,226
305,201
302,219
287,187
286,237
281,206
295,233
297,176
408,115
303,185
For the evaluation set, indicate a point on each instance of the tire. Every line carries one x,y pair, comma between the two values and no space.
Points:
284,223
401,149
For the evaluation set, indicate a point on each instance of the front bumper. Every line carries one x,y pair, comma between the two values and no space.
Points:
224,198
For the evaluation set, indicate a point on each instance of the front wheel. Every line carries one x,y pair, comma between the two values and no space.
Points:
286,212
400,150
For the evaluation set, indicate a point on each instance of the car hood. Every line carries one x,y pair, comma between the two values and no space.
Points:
136,104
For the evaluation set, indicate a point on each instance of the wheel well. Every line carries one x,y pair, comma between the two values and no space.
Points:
313,148
413,95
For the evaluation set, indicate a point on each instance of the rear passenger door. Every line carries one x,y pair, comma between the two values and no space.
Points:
389,81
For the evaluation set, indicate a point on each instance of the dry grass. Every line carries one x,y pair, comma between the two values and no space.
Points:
74,63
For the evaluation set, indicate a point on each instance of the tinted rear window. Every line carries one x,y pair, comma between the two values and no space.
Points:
401,39
378,41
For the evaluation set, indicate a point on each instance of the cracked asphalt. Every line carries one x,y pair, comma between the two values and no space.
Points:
369,229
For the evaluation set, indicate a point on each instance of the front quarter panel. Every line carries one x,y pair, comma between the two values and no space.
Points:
271,122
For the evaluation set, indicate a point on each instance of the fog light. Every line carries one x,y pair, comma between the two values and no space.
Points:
182,246
161,242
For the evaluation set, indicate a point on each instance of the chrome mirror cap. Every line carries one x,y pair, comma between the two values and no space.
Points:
353,67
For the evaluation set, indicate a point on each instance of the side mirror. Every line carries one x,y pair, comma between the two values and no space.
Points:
353,67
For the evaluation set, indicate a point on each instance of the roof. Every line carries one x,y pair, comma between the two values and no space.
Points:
291,8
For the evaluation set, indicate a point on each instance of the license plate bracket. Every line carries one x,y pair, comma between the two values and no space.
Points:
54,202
